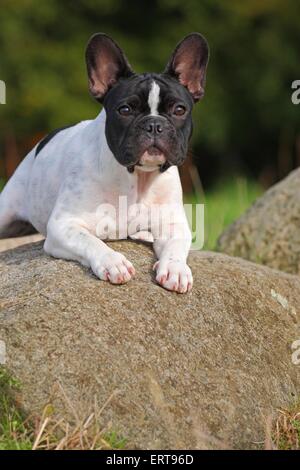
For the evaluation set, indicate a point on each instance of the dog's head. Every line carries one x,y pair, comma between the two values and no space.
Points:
149,120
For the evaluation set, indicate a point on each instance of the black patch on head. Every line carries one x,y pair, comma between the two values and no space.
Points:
49,137
128,137
130,127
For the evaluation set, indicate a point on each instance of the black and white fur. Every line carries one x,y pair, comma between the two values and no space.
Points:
131,150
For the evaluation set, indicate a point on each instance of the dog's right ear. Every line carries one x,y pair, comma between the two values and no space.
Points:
106,64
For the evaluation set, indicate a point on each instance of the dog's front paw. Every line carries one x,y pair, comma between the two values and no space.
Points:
174,275
113,267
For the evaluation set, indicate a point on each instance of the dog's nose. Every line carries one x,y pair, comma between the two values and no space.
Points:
154,127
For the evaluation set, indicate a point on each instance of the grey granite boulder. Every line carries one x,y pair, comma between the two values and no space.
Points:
269,232
202,370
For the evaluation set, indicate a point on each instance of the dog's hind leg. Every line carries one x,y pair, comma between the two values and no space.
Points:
13,198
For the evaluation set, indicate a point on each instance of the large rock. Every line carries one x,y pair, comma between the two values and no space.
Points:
196,370
269,232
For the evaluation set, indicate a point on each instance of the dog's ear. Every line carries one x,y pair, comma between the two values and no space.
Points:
106,64
188,64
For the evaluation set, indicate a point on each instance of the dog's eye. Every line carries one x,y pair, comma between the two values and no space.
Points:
179,110
124,110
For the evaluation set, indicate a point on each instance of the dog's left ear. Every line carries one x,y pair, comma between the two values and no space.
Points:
106,64
188,64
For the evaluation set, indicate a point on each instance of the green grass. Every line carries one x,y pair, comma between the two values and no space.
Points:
286,429
48,431
223,205
13,431
115,441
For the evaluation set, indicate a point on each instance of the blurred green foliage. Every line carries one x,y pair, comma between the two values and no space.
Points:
246,120
223,204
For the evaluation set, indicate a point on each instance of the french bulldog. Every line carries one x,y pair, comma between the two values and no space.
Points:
101,179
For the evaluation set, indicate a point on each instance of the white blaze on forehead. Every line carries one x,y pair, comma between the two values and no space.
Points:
153,98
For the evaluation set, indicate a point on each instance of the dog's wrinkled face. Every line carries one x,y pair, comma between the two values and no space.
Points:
149,119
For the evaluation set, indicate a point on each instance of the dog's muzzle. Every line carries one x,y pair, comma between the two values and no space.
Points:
153,128
151,160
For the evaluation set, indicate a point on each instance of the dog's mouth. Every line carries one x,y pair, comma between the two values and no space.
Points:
153,158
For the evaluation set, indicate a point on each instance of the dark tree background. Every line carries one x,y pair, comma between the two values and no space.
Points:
246,122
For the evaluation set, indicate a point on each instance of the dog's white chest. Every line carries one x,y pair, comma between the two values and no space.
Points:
128,211
121,221
134,206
